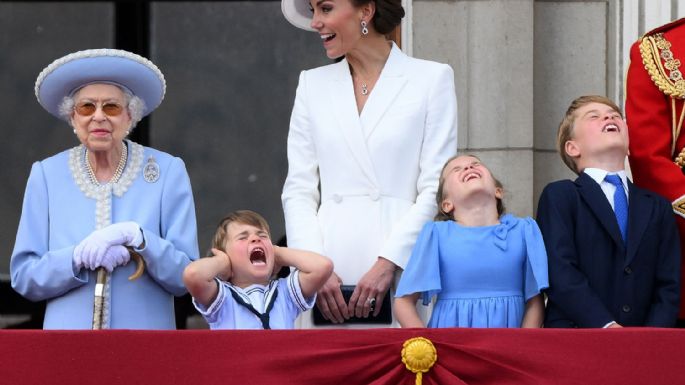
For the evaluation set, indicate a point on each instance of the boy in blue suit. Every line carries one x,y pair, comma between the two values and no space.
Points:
613,248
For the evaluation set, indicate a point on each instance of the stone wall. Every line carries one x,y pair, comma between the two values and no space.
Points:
232,69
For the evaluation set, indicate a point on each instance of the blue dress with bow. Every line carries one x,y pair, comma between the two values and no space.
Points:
482,276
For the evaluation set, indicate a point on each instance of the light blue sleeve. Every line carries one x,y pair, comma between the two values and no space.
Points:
422,274
37,272
536,275
298,302
171,248
222,304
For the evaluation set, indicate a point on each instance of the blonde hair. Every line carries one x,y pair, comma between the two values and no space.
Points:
246,217
565,132
440,195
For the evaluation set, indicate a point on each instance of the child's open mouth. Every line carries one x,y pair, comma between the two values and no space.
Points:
471,175
611,128
258,256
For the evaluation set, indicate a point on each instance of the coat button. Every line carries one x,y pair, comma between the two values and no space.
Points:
626,308
337,198
628,270
375,195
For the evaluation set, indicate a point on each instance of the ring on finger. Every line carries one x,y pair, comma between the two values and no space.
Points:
372,303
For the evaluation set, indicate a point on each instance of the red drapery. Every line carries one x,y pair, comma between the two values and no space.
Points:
465,356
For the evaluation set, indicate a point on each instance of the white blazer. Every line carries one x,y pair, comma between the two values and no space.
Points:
362,186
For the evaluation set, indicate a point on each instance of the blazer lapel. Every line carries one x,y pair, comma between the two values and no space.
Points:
593,195
344,106
638,212
389,84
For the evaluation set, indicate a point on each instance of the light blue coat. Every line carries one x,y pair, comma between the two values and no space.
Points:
57,215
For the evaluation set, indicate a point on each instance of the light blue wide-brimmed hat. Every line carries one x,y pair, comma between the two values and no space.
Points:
68,74
298,13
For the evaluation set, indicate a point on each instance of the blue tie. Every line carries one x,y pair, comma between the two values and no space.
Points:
620,203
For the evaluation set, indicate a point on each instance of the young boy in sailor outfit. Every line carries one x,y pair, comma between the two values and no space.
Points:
236,288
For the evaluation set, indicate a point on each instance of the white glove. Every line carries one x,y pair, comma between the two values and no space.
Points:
116,255
122,233
91,251
78,262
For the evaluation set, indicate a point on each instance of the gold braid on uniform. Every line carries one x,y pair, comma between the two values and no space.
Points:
653,49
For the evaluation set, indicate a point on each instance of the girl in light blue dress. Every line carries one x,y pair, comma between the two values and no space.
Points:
486,268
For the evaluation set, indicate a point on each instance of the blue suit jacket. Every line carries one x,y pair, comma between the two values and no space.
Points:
594,278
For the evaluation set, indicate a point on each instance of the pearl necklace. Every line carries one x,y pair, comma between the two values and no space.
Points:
117,173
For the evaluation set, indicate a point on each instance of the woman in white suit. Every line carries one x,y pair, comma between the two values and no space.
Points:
368,136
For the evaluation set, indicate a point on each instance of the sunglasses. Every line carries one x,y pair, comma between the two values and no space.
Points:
89,108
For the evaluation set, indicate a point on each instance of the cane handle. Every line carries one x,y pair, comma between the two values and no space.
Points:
140,264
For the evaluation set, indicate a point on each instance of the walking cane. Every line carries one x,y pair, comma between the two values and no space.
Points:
101,281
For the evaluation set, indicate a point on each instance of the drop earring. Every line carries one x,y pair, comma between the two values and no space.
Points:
365,31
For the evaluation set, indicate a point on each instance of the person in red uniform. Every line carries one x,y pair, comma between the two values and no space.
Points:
655,113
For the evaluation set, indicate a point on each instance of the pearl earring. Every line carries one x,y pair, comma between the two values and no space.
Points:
74,131
365,31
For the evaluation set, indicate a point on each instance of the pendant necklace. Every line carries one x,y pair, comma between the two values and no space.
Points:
365,87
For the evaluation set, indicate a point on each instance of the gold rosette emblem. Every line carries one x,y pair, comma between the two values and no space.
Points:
419,355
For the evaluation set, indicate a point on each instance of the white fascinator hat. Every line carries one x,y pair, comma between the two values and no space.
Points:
298,13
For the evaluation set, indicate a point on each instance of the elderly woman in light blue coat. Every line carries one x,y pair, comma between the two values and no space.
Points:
91,207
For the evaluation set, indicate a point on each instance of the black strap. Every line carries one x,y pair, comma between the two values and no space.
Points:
262,317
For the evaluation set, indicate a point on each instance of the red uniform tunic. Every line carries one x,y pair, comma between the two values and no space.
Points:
655,97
